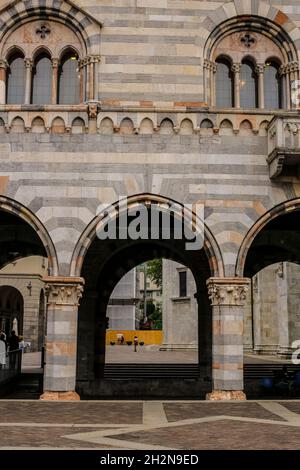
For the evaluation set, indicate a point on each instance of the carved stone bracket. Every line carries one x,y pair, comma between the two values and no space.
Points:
93,110
63,290
227,291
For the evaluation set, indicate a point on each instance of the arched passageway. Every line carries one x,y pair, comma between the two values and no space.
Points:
269,256
105,263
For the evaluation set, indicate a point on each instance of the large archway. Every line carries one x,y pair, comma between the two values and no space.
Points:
273,238
22,235
270,256
102,263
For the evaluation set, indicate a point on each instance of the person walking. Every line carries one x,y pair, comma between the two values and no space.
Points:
13,344
2,351
135,342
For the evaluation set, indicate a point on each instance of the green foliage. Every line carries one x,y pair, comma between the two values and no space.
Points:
154,271
156,317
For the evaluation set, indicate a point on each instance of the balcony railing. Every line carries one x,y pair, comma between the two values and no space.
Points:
284,146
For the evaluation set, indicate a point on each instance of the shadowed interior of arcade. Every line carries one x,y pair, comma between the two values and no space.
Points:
271,320
105,263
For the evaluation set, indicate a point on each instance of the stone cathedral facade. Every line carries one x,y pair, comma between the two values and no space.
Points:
157,101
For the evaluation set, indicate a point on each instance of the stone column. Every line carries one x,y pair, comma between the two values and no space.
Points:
227,296
3,69
91,79
92,64
282,76
63,294
236,68
294,76
206,93
81,81
288,87
260,70
54,83
213,71
28,80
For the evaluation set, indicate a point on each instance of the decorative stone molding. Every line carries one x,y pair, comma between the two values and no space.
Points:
43,31
226,395
209,65
229,291
248,40
63,290
93,110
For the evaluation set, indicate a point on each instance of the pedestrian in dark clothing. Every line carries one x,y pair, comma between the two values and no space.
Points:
13,341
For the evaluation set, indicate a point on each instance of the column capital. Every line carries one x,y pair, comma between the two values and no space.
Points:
260,68
236,67
90,59
209,65
227,291
55,62
63,290
28,63
3,64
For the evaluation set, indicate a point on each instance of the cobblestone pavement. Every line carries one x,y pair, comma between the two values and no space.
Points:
149,425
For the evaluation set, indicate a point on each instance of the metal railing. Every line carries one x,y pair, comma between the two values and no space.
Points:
10,365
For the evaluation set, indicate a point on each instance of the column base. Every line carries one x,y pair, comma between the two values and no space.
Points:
219,395
55,396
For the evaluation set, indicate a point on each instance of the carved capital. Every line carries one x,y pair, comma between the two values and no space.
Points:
209,65
236,68
55,63
260,68
28,63
3,64
63,290
227,291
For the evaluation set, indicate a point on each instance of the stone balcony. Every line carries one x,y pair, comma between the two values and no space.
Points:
284,146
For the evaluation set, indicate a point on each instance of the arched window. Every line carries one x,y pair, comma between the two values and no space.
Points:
272,85
41,80
248,85
15,87
224,84
69,79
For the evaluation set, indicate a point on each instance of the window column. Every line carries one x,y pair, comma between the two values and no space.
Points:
236,68
93,76
294,75
3,69
260,69
54,82
28,80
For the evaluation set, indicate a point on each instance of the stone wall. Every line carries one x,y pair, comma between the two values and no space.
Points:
180,314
